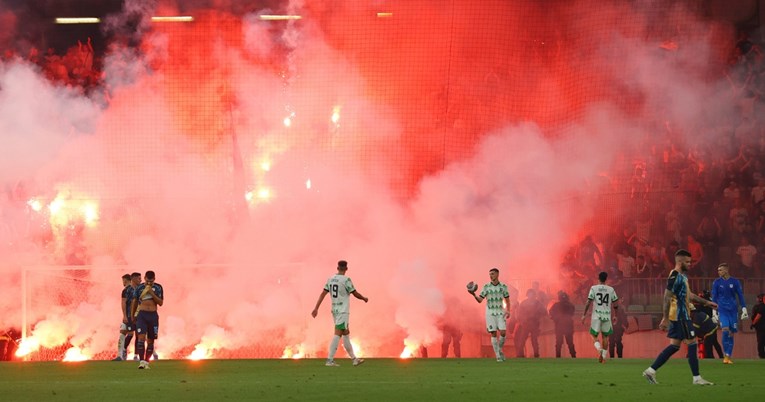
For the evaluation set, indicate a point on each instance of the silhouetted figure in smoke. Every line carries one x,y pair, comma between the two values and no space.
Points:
530,312
620,325
588,253
450,329
9,342
758,324
562,314
453,336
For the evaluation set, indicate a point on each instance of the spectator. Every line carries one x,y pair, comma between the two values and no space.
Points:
530,312
621,323
562,315
758,324
746,252
758,192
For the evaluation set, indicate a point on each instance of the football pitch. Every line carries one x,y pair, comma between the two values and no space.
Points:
377,380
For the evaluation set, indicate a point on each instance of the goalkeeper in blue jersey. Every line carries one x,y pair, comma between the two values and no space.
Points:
726,292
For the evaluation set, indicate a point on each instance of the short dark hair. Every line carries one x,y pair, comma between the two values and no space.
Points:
494,270
149,275
603,276
126,276
135,275
342,265
723,265
682,253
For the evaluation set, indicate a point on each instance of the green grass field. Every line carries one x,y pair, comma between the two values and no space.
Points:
378,380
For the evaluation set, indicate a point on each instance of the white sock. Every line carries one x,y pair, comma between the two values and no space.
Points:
651,370
348,347
501,342
333,347
495,346
121,345
597,346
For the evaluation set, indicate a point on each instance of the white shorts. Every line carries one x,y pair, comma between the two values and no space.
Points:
495,322
598,326
341,320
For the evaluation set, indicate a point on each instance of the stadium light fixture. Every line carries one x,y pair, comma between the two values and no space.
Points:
77,20
269,17
179,18
96,20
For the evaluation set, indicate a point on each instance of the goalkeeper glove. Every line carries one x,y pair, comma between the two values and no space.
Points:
715,317
744,314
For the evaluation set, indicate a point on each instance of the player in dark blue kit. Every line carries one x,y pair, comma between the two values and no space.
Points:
148,296
725,291
135,280
126,289
676,312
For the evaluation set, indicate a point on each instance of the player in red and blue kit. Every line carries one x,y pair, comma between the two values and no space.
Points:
726,291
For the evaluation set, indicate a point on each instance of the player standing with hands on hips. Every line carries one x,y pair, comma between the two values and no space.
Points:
496,314
340,287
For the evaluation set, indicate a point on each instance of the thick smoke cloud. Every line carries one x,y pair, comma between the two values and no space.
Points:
451,153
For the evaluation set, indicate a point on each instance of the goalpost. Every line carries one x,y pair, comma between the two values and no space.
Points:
52,295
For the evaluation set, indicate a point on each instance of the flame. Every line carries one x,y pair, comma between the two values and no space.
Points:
63,209
287,121
357,349
264,193
35,204
75,354
200,352
55,206
265,165
294,352
336,114
27,346
407,353
410,348
90,213
308,184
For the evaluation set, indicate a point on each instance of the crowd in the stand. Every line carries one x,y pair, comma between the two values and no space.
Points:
707,197
77,68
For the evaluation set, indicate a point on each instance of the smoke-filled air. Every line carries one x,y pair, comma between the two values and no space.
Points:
240,155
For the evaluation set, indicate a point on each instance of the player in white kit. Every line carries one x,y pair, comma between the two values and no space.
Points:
603,297
340,287
495,292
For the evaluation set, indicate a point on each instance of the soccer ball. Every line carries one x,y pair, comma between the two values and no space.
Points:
471,286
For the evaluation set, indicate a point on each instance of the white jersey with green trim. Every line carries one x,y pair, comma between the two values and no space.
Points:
602,297
340,288
494,294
